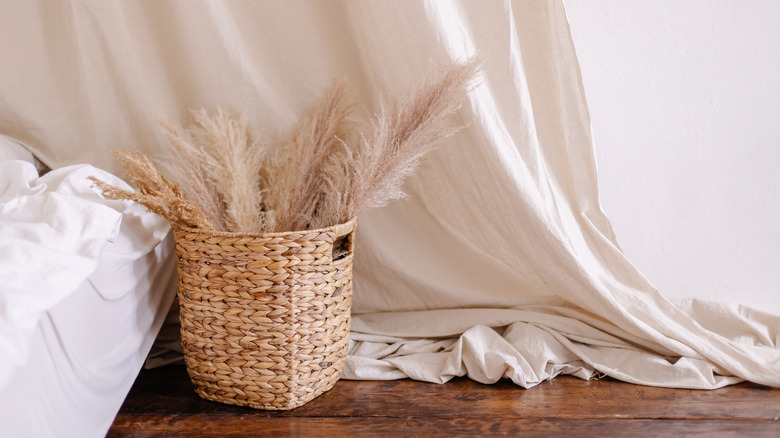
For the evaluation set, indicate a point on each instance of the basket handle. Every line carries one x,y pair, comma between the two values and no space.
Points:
343,244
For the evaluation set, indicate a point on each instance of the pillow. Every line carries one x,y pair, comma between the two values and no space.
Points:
11,150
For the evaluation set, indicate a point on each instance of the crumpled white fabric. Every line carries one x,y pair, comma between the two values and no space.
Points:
53,230
500,264
537,343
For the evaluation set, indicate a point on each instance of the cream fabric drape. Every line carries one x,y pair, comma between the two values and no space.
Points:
500,264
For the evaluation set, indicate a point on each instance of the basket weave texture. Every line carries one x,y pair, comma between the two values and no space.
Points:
265,318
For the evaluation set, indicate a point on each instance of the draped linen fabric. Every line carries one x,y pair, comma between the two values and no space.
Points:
500,264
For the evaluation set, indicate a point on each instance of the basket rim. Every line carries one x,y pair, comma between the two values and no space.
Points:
341,229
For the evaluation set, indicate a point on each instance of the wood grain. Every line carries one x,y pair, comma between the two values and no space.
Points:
163,403
219,426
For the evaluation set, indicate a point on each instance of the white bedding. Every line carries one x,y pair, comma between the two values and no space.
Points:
86,284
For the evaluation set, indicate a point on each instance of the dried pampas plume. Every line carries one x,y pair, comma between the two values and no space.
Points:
400,135
220,166
186,164
155,192
298,173
316,179
233,162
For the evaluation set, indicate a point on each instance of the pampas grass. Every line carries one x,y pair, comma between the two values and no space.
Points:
314,180
155,192
219,163
187,164
232,161
399,136
297,173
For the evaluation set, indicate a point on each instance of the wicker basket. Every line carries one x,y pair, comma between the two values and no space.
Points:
265,317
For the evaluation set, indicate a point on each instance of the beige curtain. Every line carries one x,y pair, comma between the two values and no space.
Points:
501,263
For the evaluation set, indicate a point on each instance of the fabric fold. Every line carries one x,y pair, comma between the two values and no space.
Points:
54,230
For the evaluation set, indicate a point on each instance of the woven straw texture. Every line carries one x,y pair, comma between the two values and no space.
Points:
265,318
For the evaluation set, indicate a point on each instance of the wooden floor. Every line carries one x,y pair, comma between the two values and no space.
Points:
162,403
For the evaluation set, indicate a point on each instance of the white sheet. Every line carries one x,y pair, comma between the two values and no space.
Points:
12,150
86,286
86,351
53,230
502,244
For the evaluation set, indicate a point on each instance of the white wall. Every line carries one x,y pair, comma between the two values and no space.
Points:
685,106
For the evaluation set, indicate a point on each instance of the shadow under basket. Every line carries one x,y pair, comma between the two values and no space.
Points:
265,318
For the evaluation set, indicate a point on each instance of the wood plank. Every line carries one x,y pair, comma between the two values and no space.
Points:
167,391
210,425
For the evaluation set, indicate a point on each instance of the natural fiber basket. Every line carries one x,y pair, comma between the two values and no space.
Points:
265,318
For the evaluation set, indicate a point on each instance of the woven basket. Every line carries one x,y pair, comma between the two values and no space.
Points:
265,318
